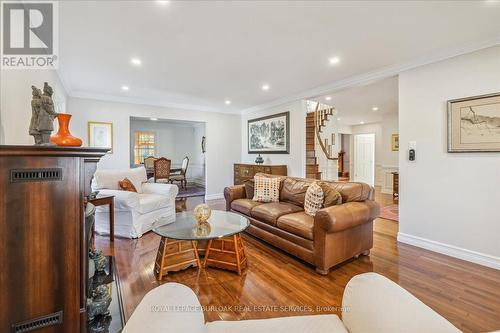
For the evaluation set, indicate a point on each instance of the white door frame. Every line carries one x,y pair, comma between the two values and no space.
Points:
370,178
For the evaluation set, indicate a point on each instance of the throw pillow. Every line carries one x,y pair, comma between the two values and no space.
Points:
332,196
127,185
314,199
249,188
266,189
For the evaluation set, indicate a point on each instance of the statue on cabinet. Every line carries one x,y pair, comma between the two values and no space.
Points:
43,114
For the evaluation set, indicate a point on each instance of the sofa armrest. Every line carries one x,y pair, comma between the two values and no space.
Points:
169,308
168,190
346,216
232,193
373,303
124,200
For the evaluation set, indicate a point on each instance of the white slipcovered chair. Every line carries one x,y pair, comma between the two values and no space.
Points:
371,303
135,213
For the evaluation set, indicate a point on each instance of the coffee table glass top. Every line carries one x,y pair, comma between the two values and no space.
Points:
220,224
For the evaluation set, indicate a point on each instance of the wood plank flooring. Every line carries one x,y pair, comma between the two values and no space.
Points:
276,284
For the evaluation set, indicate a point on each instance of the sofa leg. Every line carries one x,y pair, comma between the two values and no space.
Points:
322,271
366,253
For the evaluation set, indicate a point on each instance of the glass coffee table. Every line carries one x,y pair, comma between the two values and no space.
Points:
178,244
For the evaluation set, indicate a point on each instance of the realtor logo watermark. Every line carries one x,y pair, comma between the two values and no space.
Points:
29,34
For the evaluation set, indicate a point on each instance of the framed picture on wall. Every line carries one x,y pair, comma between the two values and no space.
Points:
395,142
474,124
100,135
270,134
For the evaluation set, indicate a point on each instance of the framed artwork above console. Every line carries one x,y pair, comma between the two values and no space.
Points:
270,134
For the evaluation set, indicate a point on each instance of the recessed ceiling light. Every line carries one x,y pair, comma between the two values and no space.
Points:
361,122
125,88
153,119
375,108
162,2
227,102
265,87
328,98
136,61
334,60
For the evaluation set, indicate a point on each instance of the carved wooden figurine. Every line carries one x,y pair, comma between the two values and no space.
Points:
43,115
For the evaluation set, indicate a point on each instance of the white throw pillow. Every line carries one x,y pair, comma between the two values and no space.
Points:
266,189
108,179
314,199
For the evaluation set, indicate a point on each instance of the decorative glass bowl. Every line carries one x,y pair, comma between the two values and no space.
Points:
202,213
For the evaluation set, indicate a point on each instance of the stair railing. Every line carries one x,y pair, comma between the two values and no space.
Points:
319,117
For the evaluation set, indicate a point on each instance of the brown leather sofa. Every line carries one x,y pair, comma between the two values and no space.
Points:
334,235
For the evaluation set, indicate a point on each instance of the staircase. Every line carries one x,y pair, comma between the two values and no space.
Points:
315,121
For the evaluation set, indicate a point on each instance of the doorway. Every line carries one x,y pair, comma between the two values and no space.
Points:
364,158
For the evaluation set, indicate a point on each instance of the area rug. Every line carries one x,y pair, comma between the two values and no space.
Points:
192,190
390,212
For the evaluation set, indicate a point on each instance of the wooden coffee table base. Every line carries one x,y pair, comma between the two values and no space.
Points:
175,255
226,253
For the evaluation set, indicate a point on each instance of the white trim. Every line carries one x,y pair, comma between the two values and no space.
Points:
369,77
214,196
451,250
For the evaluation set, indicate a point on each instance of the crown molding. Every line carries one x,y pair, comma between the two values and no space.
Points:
139,101
372,76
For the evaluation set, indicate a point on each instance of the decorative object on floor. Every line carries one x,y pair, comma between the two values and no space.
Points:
395,142
100,135
270,134
390,212
203,144
181,176
259,160
202,213
99,303
100,261
42,114
474,124
313,201
193,190
63,136
162,170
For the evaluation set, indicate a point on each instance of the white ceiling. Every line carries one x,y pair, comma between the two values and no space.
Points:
198,54
354,105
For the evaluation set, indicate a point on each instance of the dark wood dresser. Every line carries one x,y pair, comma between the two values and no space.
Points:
42,237
243,172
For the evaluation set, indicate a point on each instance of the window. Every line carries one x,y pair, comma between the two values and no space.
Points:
144,146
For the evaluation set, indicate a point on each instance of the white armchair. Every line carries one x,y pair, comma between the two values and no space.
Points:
135,212
372,303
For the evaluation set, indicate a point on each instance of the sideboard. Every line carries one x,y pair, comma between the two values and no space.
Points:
244,172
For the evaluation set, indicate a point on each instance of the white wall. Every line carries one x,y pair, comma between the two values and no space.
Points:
15,101
449,203
386,160
174,140
296,160
222,131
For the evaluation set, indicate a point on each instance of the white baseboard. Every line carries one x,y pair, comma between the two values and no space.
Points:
451,250
214,196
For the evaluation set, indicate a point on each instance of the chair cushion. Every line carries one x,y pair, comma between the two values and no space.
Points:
295,324
294,191
270,212
300,224
177,177
152,202
244,206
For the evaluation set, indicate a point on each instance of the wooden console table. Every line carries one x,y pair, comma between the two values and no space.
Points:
244,172
107,200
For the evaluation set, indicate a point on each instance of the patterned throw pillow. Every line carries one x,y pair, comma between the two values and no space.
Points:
266,189
314,199
332,196
127,185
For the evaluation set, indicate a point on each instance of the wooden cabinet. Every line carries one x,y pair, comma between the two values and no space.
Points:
243,172
42,237
395,186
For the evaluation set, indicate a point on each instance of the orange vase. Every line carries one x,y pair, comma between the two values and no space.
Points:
63,136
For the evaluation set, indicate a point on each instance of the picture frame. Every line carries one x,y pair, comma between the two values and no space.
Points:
474,124
395,142
269,134
100,134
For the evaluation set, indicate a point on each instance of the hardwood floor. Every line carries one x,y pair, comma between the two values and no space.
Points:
468,295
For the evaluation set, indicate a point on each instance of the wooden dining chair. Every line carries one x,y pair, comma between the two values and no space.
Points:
149,162
162,170
182,176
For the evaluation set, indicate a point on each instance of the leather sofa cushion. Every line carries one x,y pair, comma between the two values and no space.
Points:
270,212
294,191
331,196
250,188
300,224
351,191
244,206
